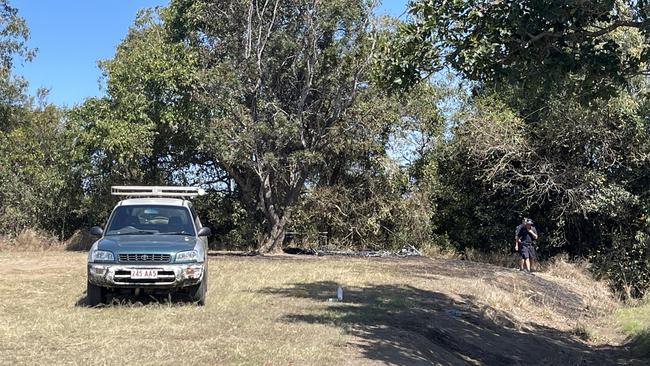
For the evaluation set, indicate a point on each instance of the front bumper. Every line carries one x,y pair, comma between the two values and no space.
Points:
169,275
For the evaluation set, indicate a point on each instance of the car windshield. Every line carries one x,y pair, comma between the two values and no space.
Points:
150,219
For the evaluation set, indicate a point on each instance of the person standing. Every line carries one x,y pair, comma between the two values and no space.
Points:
525,235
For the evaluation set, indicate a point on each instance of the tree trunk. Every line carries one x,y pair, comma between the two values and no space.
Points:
276,214
273,239
259,197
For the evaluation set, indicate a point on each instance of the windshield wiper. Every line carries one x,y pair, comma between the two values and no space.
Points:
138,232
178,233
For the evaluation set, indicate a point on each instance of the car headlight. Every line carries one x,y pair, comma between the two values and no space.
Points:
101,256
189,256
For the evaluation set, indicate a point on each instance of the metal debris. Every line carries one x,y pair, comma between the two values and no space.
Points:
339,295
405,251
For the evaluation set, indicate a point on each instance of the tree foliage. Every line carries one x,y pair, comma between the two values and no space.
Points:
37,186
265,118
14,34
282,80
367,198
147,129
531,43
555,126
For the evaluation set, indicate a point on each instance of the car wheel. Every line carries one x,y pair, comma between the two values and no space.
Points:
95,294
197,292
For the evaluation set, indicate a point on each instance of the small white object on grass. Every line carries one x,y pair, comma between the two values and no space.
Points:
339,293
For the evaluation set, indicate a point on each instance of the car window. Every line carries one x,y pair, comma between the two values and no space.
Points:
150,219
197,221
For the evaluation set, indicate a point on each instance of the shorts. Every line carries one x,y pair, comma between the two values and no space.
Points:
527,251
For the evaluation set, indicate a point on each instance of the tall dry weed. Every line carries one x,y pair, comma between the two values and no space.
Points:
30,240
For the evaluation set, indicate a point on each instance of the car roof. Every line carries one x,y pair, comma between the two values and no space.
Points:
163,201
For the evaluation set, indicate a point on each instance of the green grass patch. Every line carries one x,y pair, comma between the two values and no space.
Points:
635,321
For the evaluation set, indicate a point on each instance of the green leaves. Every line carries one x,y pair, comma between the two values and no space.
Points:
555,125
523,41
37,183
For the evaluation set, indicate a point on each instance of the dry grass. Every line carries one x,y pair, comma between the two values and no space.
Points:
275,311
42,323
36,241
81,240
30,241
495,258
574,275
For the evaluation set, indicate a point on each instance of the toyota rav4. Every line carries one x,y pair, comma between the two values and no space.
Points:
153,242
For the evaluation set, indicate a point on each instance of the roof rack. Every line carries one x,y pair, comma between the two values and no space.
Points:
157,191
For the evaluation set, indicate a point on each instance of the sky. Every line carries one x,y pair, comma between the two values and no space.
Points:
72,35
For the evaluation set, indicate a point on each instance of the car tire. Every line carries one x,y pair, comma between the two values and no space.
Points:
95,295
197,292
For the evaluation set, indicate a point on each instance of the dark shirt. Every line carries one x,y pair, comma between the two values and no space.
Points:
524,235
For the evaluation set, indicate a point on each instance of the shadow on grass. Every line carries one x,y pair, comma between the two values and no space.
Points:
256,256
641,344
231,253
538,289
405,325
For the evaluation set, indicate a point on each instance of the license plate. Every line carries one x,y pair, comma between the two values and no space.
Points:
144,273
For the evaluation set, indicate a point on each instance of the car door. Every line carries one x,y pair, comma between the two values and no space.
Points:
203,240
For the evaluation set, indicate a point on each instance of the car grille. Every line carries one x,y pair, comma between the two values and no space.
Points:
144,257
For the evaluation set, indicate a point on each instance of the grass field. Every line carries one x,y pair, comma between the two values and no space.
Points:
274,311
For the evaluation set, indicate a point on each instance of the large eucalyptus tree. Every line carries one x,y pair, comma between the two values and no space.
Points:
282,80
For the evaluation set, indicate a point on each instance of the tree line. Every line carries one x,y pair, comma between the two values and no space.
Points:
327,122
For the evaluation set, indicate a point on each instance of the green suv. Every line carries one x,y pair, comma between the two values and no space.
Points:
154,243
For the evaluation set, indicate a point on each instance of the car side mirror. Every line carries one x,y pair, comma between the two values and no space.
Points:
96,231
205,231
